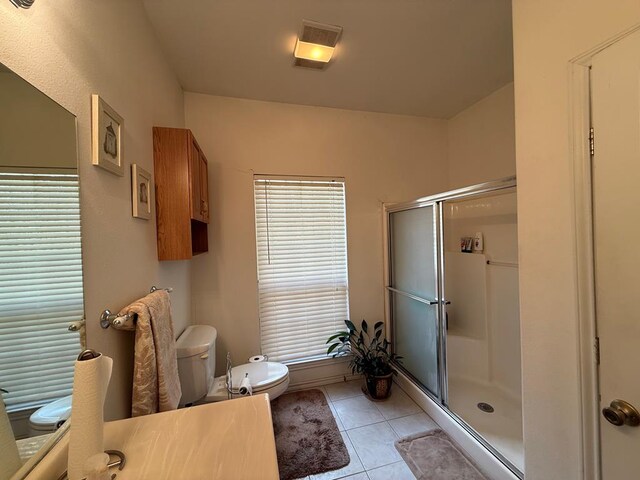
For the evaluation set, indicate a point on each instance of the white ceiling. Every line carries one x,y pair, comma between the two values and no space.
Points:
432,58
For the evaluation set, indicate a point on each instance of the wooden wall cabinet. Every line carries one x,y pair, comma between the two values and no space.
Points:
182,194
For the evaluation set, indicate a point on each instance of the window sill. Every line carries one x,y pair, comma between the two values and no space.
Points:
316,362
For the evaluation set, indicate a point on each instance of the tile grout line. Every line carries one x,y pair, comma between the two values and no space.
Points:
326,394
387,421
346,431
379,466
369,424
366,471
393,463
356,451
421,411
347,434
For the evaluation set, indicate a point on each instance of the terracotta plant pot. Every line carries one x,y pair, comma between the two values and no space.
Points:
379,388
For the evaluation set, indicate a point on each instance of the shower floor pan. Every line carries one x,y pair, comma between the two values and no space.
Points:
502,428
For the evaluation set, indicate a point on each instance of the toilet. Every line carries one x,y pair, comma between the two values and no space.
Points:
196,351
47,419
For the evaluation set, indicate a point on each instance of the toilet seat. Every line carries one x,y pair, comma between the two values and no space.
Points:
262,375
47,418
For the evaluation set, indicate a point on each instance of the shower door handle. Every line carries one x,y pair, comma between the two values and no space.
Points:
413,297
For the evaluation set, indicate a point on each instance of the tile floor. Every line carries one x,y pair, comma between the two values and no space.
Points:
369,430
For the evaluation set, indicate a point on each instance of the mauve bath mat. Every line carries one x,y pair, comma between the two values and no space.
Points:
433,456
307,437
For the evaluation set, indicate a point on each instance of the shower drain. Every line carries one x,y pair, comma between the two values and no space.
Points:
485,407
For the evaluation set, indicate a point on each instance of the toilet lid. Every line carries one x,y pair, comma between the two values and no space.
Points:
52,413
261,375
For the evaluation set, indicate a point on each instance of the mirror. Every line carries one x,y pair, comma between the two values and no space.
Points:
41,295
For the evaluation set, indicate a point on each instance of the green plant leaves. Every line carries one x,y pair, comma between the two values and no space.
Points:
337,335
370,353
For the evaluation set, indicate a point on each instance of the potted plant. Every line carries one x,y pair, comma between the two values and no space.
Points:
370,356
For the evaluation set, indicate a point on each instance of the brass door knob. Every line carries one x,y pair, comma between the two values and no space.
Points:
621,413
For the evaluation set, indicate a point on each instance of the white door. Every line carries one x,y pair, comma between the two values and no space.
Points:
615,89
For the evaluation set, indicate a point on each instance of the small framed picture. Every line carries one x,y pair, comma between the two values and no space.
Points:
106,136
140,192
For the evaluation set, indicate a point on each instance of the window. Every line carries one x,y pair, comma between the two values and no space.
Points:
302,264
40,286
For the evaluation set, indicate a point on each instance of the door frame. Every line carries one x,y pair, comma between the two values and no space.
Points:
580,154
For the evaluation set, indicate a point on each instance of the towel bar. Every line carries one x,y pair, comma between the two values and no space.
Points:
154,288
107,318
502,264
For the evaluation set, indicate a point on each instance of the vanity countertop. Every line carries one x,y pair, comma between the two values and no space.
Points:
218,441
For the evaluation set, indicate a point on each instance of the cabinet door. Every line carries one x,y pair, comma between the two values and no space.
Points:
204,189
194,181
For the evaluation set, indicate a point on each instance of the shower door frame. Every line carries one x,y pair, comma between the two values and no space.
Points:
437,216
437,201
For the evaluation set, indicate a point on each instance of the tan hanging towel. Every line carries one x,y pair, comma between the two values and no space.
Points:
156,386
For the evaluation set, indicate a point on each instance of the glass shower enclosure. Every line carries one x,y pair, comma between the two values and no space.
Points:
413,293
452,298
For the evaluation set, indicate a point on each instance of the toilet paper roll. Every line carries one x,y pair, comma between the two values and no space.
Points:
10,461
90,382
245,386
258,359
96,467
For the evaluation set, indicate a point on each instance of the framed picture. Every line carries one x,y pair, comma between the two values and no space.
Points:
140,192
106,136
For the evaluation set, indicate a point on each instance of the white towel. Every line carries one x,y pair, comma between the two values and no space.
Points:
156,386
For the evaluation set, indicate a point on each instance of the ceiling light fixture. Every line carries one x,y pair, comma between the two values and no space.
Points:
22,3
316,44
313,51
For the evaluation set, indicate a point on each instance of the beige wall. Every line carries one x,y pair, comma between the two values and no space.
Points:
35,131
384,158
69,50
482,140
547,34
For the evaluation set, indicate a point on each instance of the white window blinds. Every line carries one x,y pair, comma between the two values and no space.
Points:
302,265
40,286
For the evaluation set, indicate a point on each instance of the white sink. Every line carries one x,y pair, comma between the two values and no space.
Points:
231,439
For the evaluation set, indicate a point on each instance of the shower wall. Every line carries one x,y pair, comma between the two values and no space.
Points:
483,335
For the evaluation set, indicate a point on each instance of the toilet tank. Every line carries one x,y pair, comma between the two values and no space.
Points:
196,351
